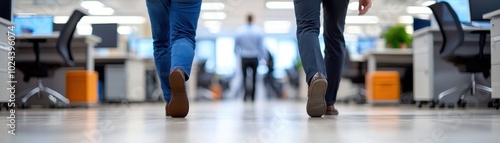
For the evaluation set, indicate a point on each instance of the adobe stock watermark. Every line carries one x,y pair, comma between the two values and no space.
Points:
277,125
108,125
11,70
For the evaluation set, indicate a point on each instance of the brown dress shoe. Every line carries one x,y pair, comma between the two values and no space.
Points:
330,110
166,110
179,104
316,104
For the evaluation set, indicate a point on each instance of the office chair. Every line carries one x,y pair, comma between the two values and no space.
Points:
453,38
41,69
354,71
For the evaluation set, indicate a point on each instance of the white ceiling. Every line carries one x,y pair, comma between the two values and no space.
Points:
387,11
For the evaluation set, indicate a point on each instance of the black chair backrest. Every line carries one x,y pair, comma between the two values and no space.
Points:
66,35
451,28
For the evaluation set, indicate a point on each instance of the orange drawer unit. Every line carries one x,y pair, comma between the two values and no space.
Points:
81,86
383,87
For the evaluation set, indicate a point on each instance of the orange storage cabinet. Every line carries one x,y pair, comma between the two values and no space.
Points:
81,86
383,87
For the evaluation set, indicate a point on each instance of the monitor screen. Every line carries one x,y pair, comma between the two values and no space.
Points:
480,7
108,34
420,23
461,7
33,24
144,48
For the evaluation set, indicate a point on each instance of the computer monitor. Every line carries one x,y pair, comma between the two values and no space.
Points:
33,24
420,23
461,7
480,7
6,9
108,34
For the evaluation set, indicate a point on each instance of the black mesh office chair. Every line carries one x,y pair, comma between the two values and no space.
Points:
471,62
354,71
41,69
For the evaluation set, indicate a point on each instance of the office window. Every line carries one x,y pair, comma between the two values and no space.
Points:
205,51
284,52
225,61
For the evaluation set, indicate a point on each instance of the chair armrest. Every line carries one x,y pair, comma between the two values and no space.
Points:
482,40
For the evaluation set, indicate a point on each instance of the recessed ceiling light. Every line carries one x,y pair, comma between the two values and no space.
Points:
101,11
418,10
91,4
427,3
279,5
213,15
212,6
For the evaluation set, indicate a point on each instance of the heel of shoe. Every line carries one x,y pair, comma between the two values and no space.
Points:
316,104
179,104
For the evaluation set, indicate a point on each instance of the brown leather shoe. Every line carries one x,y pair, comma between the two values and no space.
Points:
330,110
179,104
166,110
316,104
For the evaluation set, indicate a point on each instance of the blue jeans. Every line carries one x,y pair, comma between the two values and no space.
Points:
307,13
173,23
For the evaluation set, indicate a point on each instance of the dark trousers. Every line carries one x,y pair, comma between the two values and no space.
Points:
251,63
307,13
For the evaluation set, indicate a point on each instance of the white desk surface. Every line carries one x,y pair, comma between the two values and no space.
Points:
389,51
491,14
423,31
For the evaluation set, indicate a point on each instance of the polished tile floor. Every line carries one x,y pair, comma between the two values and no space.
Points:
237,122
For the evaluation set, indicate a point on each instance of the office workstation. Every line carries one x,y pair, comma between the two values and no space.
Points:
95,71
495,50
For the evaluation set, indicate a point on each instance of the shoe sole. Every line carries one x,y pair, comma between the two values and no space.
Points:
179,104
316,104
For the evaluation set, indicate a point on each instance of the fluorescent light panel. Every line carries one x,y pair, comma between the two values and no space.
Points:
427,3
213,15
101,11
91,4
104,19
279,5
212,6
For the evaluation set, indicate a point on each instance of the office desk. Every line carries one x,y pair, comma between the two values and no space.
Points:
124,78
388,56
433,75
82,48
495,52
4,49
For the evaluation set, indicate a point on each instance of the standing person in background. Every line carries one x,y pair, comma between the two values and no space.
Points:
249,45
173,24
321,88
